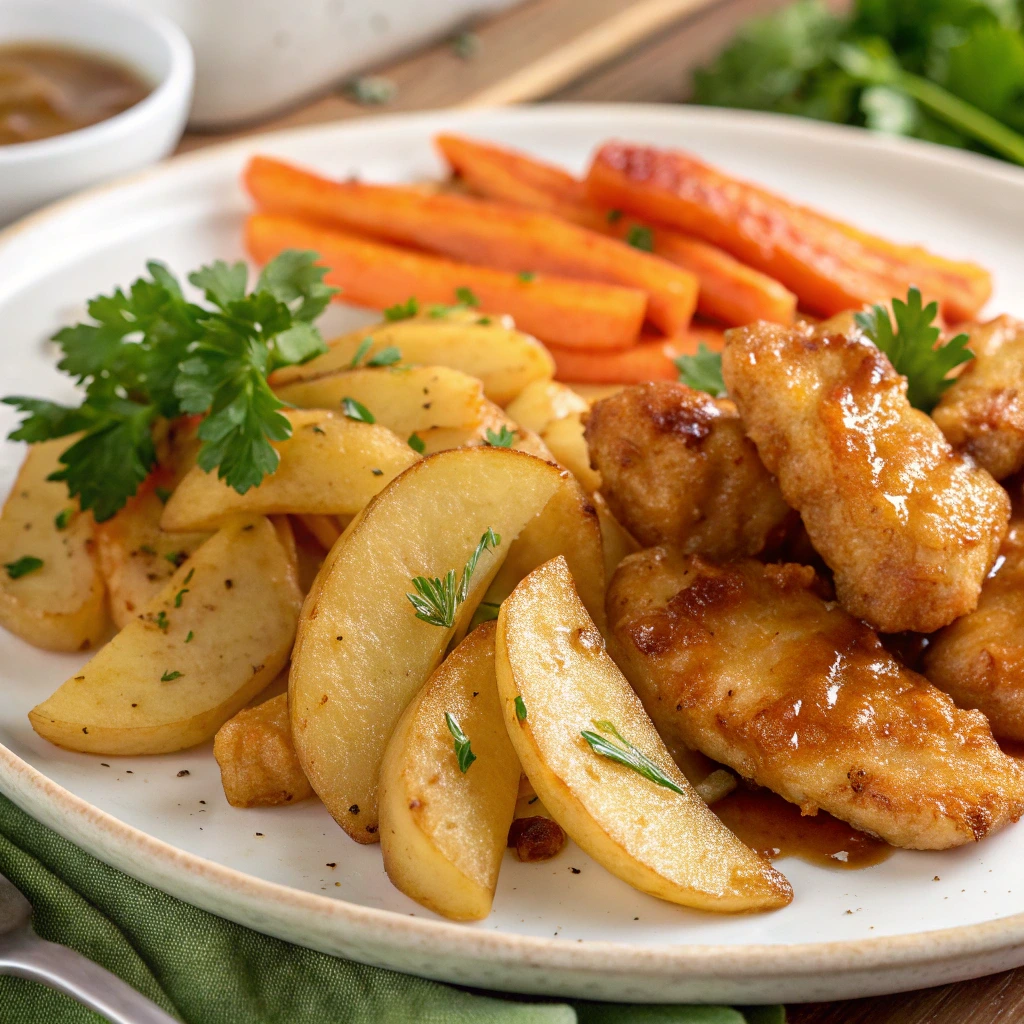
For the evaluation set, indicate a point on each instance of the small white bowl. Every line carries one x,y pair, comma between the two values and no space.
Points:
34,173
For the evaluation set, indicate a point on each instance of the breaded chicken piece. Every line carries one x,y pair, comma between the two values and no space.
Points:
908,526
677,469
982,413
979,659
747,663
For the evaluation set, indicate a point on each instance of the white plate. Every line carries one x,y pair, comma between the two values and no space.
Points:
917,919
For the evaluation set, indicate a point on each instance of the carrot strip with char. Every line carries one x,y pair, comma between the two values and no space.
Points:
729,290
477,231
650,360
831,267
557,310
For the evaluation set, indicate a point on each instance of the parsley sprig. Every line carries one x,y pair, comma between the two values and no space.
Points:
627,755
910,346
436,601
150,352
703,371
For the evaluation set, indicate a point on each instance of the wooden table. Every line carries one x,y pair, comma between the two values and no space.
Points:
639,51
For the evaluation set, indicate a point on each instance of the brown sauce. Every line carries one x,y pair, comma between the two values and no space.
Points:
775,828
49,90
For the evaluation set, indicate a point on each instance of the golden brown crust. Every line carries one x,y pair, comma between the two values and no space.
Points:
746,662
982,413
677,469
979,659
908,526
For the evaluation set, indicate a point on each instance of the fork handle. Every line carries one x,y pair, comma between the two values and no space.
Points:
24,955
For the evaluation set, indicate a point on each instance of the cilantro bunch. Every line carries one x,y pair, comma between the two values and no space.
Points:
947,71
150,353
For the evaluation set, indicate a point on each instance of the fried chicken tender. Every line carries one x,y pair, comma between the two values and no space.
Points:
747,663
979,659
908,526
677,469
982,413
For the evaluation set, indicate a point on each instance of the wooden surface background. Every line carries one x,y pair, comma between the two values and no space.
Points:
639,51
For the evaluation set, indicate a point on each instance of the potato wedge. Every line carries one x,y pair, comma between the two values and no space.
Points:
406,400
443,831
490,348
566,440
216,635
550,655
347,694
59,606
616,540
330,465
258,765
539,404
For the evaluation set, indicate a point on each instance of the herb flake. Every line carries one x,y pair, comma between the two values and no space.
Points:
703,371
23,566
356,411
436,601
627,755
463,750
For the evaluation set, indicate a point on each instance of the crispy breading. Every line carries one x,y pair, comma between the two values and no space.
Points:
677,469
746,662
908,526
979,659
982,413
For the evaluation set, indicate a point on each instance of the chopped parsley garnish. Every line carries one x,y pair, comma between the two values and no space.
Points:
161,620
465,45
416,443
147,549
149,353
371,90
627,755
463,750
526,275
641,237
23,566
613,216
911,348
190,637
356,411
465,297
163,493
703,371
436,601
385,357
364,347
502,439
180,596
520,709
169,677
403,310
63,518
176,558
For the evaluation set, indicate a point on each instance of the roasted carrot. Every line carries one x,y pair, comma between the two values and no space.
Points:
557,310
728,290
477,231
650,360
830,266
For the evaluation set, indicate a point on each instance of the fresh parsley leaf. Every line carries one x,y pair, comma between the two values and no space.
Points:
502,439
364,347
169,677
520,709
910,346
190,637
371,90
436,601
63,518
385,357
627,755
296,279
526,275
161,621
416,443
640,237
465,297
463,750
703,371
23,566
403,310
357,411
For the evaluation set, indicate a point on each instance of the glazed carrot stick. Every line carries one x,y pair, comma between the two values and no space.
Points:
650,360
477,231
557,310
830,266
729,291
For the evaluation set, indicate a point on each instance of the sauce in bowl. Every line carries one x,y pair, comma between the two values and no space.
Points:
50,90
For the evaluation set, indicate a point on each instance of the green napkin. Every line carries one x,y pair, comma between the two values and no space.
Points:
207,970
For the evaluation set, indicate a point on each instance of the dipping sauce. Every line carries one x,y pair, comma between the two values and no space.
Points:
775,828
49,90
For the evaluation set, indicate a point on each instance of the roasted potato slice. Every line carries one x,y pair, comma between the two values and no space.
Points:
489,348
616,540
539,404
361,653
58,604
258,764
331,465
556,681
443,829
216,635
566,440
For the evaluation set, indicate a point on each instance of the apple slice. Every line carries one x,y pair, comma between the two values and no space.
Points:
557,683
443,829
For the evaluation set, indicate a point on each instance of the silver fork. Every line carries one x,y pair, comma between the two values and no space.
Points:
25,955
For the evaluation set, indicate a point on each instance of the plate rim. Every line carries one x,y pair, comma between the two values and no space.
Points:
101,833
